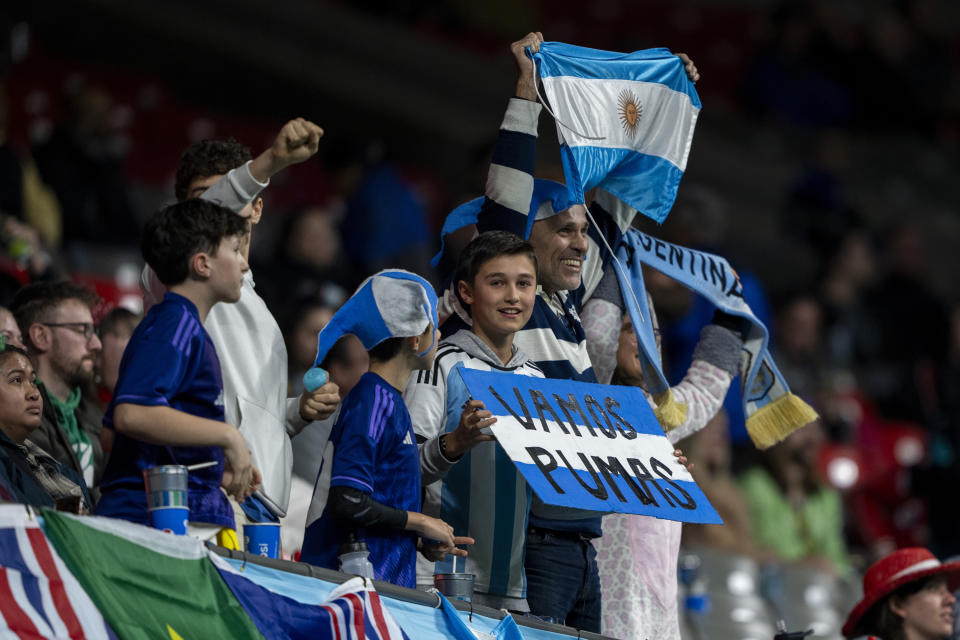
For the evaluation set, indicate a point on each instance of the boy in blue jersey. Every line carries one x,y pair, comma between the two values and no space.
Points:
168,404
374,471
470,481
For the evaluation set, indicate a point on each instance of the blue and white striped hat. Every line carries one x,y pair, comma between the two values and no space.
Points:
390,304
549,198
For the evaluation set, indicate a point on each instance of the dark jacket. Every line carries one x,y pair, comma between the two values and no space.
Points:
52,439
28,475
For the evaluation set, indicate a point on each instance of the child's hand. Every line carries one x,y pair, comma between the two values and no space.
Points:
682,459
320,403
255,480
434,552
239,474
468,433
437,531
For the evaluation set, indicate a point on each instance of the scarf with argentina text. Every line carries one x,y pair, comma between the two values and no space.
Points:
772,411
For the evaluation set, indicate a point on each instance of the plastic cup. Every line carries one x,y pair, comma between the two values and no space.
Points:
456,586
262,539
166,488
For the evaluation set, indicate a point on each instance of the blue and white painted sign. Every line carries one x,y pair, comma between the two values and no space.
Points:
589,446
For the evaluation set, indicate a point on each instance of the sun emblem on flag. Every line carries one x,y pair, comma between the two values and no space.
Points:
630,110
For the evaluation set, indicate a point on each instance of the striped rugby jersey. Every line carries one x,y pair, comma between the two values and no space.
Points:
482,494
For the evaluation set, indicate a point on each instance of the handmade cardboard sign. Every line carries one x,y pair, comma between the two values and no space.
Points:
589,446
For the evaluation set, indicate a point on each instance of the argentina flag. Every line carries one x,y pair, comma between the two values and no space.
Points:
625,121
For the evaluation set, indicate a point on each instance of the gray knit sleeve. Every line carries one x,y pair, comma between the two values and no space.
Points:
433,464
720,347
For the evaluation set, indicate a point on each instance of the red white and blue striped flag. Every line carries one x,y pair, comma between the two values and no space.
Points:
39,597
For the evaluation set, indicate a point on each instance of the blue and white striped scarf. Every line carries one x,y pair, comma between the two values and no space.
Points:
772,411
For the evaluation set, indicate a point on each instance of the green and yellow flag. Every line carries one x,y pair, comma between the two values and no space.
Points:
148,586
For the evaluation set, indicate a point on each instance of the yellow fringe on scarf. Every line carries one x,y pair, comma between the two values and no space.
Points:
773,422
670,413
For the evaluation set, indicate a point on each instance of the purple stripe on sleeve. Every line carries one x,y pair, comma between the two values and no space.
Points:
354,480
385,412
187,342
183,319
184,338
371,427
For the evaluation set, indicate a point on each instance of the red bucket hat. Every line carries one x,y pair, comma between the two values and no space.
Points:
892,572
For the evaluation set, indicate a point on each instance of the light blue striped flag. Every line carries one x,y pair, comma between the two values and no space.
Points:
625,121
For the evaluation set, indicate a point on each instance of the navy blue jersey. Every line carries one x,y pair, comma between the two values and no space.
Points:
170,361
375,451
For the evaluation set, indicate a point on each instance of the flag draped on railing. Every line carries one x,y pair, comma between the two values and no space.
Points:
39,597
148,584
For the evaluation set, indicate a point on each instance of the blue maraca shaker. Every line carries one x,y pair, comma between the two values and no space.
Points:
314,378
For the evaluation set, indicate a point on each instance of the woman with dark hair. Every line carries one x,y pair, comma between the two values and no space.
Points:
908,595
27,473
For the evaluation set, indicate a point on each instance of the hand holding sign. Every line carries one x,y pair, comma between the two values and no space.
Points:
682,459
471,431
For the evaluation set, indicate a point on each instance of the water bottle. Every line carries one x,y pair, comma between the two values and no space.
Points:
696,601
355,558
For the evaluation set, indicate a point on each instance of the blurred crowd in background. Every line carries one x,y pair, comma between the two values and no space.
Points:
823,168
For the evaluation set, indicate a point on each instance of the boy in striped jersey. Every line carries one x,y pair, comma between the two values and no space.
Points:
469,480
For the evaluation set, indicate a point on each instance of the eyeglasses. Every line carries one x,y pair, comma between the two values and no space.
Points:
85,329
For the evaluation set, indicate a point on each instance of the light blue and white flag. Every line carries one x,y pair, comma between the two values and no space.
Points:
625,121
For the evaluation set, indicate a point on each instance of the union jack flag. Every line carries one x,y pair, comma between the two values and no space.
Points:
39,597
356,613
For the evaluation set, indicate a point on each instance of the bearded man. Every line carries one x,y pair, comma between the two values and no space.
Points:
56,321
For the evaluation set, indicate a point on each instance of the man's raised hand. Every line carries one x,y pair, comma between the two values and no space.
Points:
689,66
297,141
526,87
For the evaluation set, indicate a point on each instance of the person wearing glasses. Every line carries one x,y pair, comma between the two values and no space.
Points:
56,321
